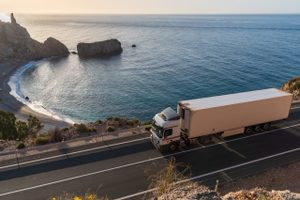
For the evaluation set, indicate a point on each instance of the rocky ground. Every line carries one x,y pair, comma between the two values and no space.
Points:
282,183
194,191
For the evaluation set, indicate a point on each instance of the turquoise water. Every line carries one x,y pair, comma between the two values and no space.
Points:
177,58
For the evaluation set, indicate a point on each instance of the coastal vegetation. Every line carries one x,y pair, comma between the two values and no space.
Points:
13,129
293,86
31,132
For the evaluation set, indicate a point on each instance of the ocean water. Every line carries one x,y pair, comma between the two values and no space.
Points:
177,58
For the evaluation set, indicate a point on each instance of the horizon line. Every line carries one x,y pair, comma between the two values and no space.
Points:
278,13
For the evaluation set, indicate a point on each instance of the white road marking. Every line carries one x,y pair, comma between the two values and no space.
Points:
293,108
148,160
214,172
71,153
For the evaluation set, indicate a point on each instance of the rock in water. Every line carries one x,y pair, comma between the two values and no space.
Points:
53,47
99,49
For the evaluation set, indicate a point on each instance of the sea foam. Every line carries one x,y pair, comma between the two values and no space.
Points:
37,106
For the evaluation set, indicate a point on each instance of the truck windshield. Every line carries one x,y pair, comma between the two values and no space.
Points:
157,130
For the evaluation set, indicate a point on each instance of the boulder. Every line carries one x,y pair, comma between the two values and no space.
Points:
99,49
16,43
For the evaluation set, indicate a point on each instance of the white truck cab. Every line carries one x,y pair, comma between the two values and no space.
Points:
165,132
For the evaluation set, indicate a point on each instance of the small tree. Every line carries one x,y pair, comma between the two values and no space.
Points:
34,125
7,126
22,130
55,135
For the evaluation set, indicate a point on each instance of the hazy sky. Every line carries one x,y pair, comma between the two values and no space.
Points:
150,6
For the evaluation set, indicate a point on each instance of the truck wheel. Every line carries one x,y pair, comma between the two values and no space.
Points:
266,126
257,129
173,146
248,131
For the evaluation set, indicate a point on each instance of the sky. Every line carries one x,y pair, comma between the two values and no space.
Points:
149,6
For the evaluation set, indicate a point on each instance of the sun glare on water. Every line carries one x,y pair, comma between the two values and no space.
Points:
4,17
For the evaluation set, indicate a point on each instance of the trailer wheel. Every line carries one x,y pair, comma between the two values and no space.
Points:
266,126
173,146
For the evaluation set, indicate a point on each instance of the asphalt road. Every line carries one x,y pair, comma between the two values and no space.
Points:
121,170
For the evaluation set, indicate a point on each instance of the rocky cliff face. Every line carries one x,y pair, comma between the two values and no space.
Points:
16,43
99,49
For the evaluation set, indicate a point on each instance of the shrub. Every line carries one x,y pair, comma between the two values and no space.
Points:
148,128
110,129
99,122
8,129
20,145
41,140
149,122
132,122
296,85
55,135
81,128
34,125
65,129
22,130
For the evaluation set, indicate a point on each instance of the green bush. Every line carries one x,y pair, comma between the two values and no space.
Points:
20,145
22,130
81,128
132,122
8,129
55,135
296,85
99,122
149,122
65,129
41,140
34,125
110,129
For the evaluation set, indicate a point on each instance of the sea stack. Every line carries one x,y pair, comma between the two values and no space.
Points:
105,48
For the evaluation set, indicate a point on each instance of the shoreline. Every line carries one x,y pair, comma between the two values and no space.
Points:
11,104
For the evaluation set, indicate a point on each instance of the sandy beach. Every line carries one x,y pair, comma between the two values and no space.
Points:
11,104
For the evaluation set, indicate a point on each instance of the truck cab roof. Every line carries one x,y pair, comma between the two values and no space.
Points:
224,100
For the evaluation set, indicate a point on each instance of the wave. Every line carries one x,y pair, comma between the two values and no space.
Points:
37,106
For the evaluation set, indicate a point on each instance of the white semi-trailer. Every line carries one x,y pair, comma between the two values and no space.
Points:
221,116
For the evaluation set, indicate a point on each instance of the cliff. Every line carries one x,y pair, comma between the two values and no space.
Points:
16,44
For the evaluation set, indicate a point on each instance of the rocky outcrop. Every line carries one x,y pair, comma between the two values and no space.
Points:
99,49
53,47
16,44
293,86
196,192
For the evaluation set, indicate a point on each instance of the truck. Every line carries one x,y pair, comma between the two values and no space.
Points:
201,120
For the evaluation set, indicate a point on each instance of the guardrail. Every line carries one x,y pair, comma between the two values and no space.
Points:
15,155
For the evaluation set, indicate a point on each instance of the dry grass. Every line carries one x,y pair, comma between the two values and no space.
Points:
86,196
165,179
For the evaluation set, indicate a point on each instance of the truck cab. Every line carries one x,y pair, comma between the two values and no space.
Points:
165,132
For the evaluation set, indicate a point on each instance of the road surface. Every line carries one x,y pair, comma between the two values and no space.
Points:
121,169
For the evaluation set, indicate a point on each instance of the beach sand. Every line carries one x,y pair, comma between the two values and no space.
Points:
11,104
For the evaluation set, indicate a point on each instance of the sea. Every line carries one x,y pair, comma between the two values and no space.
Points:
178,57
